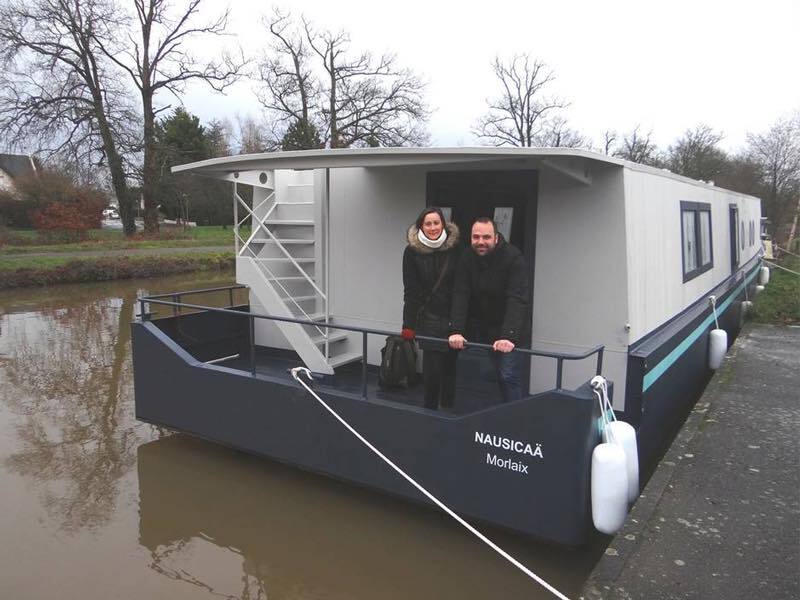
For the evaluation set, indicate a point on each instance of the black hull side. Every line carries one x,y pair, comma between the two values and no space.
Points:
276,418
668,370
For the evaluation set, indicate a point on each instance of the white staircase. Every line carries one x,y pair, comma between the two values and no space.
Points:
283,263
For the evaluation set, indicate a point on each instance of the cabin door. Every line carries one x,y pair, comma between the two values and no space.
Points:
508,197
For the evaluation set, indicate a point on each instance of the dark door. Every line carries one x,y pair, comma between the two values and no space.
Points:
734,238
508,197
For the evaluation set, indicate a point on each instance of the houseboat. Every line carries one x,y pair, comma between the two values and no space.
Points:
622,258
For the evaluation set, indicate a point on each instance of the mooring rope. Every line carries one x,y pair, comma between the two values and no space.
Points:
713,300
295,374
787,251
780,267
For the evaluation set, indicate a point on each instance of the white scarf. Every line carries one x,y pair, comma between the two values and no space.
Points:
432,243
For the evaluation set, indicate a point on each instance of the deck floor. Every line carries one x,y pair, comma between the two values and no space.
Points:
476,386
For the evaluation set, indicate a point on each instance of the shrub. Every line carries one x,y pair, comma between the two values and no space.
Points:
52,202
14,211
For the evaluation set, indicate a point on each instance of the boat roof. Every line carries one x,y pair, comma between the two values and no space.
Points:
569,161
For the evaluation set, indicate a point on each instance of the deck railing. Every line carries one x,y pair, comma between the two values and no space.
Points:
176,305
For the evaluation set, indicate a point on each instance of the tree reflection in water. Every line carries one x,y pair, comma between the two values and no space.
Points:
67,374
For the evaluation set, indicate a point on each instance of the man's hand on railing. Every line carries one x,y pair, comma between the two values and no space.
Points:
456,341
407,334
503,346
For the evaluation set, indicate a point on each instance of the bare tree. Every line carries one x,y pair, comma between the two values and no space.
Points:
291,90
321,93
369,102
253,136
639,148
59,92
697,154
159,61
609,139
518,115
777,154
556,133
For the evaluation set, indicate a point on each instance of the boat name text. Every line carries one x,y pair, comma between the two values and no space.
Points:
505,443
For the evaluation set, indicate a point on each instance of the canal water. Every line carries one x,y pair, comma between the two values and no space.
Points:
97,505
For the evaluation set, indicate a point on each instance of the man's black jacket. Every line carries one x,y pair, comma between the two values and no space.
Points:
490,295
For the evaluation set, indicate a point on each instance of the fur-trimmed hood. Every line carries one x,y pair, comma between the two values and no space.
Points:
453,236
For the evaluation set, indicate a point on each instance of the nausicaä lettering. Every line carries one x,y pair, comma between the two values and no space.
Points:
509,444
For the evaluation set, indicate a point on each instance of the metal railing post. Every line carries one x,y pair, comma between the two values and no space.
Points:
252,345
599,362
230,297
559,372
364,365
142,315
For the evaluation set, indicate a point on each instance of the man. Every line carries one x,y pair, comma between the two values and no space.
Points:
490,302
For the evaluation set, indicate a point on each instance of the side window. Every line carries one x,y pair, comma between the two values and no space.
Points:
698,256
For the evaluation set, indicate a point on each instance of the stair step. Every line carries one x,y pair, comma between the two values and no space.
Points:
299,299
288,278
298,203
290,222
343,359
333,336
288,260
300,185
283,242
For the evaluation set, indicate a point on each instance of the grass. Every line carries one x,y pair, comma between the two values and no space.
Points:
35,271
780,302
29,241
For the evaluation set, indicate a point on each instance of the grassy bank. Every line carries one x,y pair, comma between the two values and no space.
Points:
779,303
21,241
51,270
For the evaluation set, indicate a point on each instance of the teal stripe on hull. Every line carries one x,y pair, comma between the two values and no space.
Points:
653,374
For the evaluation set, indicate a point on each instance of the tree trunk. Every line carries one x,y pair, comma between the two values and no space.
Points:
149,167
118,180
334,125
793,230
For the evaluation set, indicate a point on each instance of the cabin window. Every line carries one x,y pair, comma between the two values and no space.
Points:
696,239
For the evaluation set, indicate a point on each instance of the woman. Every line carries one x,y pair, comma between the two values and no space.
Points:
429,265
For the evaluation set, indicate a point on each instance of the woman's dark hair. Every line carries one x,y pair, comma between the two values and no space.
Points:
426,212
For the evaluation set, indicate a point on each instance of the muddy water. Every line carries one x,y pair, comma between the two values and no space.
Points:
94,504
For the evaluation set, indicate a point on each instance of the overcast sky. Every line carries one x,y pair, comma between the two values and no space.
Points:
665,66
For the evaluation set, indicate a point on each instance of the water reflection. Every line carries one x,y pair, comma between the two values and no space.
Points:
298,535
176,517
66,376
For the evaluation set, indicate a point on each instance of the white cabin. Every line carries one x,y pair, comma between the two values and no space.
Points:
616,249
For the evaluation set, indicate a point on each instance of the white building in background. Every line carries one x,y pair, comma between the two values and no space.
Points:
14,166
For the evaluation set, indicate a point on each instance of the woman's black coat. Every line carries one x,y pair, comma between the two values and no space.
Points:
421,268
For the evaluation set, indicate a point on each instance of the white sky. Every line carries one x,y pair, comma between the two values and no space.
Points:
666,66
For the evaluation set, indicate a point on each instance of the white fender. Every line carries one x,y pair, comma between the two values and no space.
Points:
759,289
717,345
609,488
763,276
624,435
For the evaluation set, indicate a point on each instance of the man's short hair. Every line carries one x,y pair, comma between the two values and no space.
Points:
485,220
